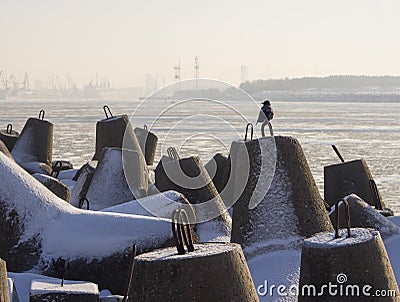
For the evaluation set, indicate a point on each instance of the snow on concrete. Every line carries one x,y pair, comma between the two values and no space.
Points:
276,209
86,170
21,150
392,246
158,205
67,174
200,250
275,268
65,231
22,282
395,220
42,286
328,240
163,204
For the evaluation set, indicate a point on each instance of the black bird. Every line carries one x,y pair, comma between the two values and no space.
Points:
266,112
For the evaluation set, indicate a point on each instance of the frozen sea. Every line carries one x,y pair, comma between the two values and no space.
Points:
369,130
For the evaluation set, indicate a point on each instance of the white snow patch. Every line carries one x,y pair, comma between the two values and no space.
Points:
275,268
395,220
159,205
67,174
392,246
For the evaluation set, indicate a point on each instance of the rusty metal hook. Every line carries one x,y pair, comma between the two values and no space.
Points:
81,202
57,168
251,133
338,153
188,238
347,210
41,115
177,232
375,194
129,280
172,153
106,108
9,129
181,231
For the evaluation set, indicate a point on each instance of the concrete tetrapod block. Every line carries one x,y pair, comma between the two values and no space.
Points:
36,228
189,177
9,137
365,216
346,178
288,211
4,149
216,169
71,291
4,296
213,272
349,266
34,147
54,185
115,132
148,144
111,184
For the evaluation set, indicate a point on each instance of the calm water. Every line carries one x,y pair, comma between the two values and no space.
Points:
359,130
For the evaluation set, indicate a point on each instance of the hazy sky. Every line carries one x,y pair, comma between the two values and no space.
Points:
124,40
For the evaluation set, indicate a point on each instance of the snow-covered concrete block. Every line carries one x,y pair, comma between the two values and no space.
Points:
189,177
9,137
358,261
36,228
115,131
365,216
216,168
212,272
279,204
54,185
346,178
70,291
148,144
34,147
120,176
82,179
160,205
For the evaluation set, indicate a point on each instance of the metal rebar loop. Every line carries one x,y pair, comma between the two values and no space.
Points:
249,125
375,194
107,111
82,201
41,115
182,232
56,170
9,129
172,153
347,210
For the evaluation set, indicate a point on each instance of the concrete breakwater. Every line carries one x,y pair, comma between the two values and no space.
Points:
38,228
